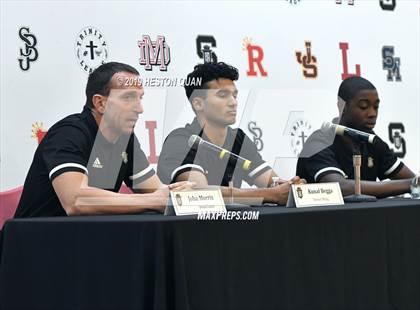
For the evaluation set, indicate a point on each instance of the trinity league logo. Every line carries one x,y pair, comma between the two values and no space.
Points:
91,49
154,53
301,129
28,53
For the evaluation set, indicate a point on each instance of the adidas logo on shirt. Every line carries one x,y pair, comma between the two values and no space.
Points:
97,163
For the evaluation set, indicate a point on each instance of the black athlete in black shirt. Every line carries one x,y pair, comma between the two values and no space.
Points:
358,105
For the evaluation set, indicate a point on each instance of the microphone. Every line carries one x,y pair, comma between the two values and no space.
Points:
350,132
195,142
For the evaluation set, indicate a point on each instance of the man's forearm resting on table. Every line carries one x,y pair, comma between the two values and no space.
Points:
377,189
77,198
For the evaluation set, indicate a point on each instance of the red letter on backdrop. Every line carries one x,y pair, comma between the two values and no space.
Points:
344,46
255,59
151,126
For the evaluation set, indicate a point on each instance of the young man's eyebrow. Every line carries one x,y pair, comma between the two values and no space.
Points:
367,100
227,90
131,92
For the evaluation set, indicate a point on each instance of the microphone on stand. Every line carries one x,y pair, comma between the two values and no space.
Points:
350,132
195,142
358,196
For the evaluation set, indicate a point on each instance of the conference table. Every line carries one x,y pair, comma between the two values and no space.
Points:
357,256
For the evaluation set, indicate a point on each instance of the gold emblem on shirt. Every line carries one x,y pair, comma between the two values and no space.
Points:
370,162
124,156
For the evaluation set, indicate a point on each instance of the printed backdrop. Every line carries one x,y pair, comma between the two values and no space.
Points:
291,55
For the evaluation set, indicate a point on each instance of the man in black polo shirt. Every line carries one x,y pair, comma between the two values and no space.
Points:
320,161
215,105
84,158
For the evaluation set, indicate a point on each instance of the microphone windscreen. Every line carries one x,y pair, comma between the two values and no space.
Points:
328,127
193,139
339,130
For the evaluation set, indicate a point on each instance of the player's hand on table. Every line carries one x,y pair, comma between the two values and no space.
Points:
183,185
297,180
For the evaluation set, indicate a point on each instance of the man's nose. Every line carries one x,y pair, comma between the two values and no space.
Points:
233,101
138,107
372,112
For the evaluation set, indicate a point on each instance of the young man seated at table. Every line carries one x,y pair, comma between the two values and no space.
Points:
358,105
214,103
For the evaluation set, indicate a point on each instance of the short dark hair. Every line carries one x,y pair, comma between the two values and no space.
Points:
208,72
99,80
352,85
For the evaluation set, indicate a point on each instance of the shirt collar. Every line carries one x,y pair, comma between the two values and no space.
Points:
93,127
198,130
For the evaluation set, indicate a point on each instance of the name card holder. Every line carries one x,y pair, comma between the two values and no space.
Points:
315,195
195,201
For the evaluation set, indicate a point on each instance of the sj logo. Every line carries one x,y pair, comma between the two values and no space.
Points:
204,46
344,46
349,2
154,53
391,64
395,131
388,5
257,135
255,57
29,53
308,62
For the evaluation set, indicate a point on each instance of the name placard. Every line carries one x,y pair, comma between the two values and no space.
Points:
195,201
315,195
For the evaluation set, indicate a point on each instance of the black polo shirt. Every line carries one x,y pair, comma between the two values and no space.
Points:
177,157
378,161
76,144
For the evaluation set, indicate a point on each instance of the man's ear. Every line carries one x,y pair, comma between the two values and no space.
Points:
197,104
99,103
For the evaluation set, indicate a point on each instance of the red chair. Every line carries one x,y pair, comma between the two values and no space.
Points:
10,199
124,189
8,203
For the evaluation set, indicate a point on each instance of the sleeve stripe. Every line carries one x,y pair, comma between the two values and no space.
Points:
328,169
258,169
141,173
55,169
393,167
186,166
